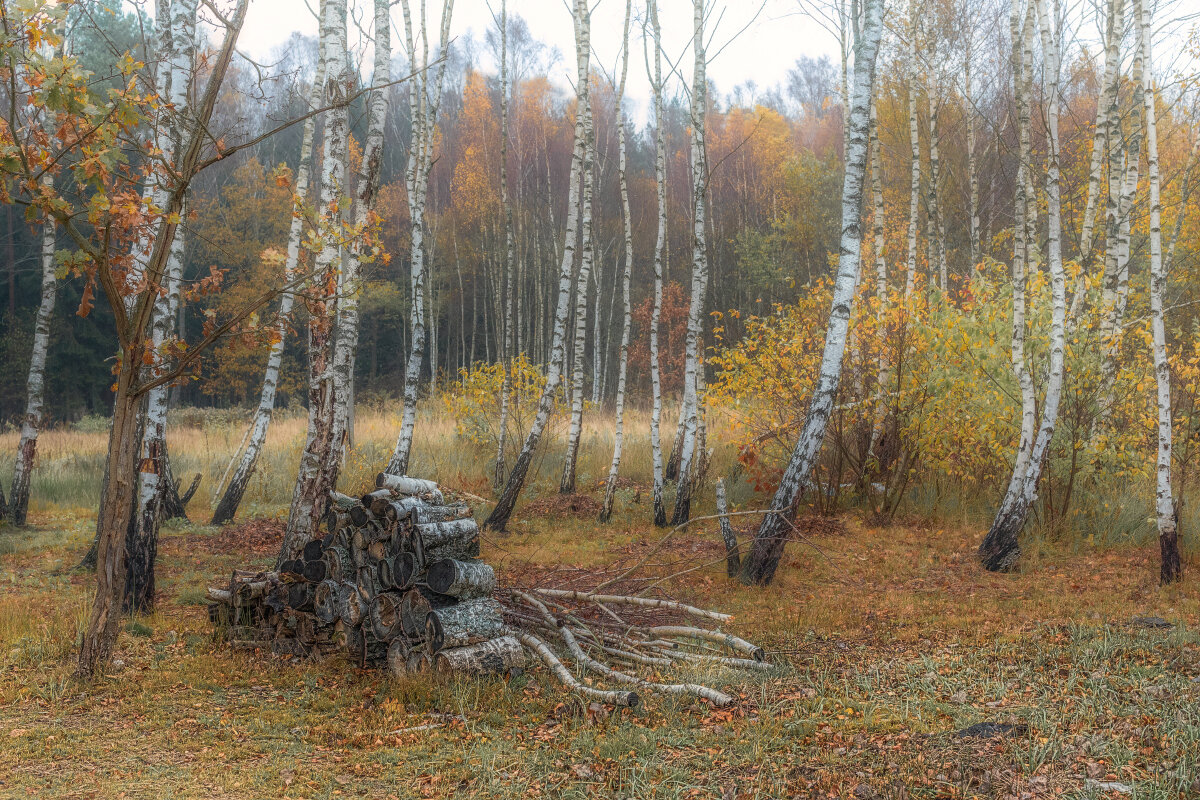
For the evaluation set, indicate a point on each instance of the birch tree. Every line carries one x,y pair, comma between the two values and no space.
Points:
508,291
610,487
695,333
424,99
313,479
660,243
566,484
1000,547
256,437
1171,568
507,501
143,544
914,141
768,546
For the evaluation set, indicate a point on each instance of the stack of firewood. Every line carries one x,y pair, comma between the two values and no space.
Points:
395,581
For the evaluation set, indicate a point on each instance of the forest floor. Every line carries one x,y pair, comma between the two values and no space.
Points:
889,641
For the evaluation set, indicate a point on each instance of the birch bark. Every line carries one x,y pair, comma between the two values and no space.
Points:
610,487
566,484
236,489
424,101
313,483
1171,568
509,287
767,549
914,141
500,515
31,423
695,332
660,243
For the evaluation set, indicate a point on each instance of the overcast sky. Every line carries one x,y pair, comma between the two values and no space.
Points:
762,52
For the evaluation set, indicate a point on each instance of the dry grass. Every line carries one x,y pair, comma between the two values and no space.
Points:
890,639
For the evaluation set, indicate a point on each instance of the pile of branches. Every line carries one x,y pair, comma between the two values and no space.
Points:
396,582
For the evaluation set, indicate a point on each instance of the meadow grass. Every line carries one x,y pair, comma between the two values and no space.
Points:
889,640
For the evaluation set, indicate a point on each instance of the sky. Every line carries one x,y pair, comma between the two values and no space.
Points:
747,43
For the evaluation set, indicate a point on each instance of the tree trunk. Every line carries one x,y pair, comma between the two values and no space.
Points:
566,484
1171,568
314,479
914,139
423,102
660,185
509,286
610,487
695,331
507,501
35,387
760,565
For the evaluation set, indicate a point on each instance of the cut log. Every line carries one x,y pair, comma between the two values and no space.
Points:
404,570
300,596
293,566
399,510
493,657
425,513
414,607
378,501
325,606
313,550
337,562
468,622
314,571
351,604
402,484
436,540
385,571
342,502
368,580
385,615
462,579
397,657
335,519
360,516
419,662
377,550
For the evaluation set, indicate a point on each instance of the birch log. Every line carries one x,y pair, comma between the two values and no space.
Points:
760,565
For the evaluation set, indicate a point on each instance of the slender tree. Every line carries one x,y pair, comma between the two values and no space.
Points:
695,325
767,549
610,486
660,243
314,479
1171,568
507,501
508,292
257,435
424,100
914,141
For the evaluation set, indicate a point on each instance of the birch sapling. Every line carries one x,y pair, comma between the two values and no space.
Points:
767,549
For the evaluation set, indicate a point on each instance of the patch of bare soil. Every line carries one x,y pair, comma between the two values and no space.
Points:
561,506
255,536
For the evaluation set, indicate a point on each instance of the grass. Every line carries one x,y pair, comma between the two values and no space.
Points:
889,640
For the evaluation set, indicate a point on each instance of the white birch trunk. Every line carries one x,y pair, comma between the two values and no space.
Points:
1000,549
510,285
232,497
31,423
500,515
937,227
883,366
313,483
972,164
1171,568
424,100
690,419
914,141
660,243
610,487
587,252
767,550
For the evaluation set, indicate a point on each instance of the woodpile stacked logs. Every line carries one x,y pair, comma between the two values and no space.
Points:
394,581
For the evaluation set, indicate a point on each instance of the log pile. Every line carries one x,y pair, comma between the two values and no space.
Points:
396,582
